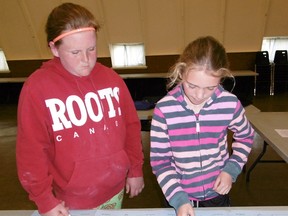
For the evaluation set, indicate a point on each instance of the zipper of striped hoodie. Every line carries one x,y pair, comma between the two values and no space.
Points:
198,131
197,124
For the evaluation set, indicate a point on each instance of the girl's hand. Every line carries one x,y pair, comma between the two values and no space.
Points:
223,183
59,210
134,186
186,210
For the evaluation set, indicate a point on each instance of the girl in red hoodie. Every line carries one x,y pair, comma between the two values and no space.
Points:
79,136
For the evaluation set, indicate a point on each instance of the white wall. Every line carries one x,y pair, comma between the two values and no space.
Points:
165,26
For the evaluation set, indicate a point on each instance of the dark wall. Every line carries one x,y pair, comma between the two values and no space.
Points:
140,89
155,64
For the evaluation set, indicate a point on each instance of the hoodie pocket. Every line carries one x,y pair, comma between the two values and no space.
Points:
97,175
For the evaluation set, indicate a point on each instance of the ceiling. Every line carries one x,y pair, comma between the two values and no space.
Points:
164,26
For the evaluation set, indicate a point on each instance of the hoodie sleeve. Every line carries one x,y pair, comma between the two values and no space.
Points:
161,160
242,142
31,155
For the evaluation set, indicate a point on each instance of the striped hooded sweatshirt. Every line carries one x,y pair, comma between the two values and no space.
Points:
189,151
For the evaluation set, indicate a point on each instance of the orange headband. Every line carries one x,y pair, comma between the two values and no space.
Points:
72,32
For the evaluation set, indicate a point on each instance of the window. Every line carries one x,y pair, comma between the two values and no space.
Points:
271,44
3,63
128,55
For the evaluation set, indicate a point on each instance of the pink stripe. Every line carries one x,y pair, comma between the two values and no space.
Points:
200,188
206,176
213,129
193,142
184,131
223,105
209,141
158,112
156,163
216,117
167,109
179,120
184,143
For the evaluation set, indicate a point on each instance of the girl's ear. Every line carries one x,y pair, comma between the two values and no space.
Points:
53,49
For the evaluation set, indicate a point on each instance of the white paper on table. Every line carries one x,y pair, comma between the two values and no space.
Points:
282,132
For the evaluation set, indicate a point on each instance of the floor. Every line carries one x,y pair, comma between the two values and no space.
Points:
267,187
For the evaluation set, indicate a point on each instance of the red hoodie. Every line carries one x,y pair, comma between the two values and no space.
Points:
78,137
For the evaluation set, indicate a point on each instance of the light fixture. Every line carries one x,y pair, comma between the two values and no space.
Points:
3,63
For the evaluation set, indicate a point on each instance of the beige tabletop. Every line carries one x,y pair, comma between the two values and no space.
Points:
145,114
266,125
238,73
13,80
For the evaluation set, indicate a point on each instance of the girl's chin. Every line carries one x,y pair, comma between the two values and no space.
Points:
84,72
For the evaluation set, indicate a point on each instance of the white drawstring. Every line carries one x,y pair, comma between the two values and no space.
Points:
197,203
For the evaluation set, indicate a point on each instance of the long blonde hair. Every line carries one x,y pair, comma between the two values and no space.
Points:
205,52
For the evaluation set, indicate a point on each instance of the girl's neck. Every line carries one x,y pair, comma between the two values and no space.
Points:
194,107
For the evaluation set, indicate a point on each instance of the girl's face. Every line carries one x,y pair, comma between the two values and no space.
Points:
77,52
199,85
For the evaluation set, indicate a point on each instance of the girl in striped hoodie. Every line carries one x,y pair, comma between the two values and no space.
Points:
189,149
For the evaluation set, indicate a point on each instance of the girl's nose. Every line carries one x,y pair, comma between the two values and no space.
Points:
200,93
85,57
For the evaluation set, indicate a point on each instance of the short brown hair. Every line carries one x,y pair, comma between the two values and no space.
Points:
68,16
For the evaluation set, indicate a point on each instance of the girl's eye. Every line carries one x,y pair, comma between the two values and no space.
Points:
92,49
211,88
191,86
75,52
